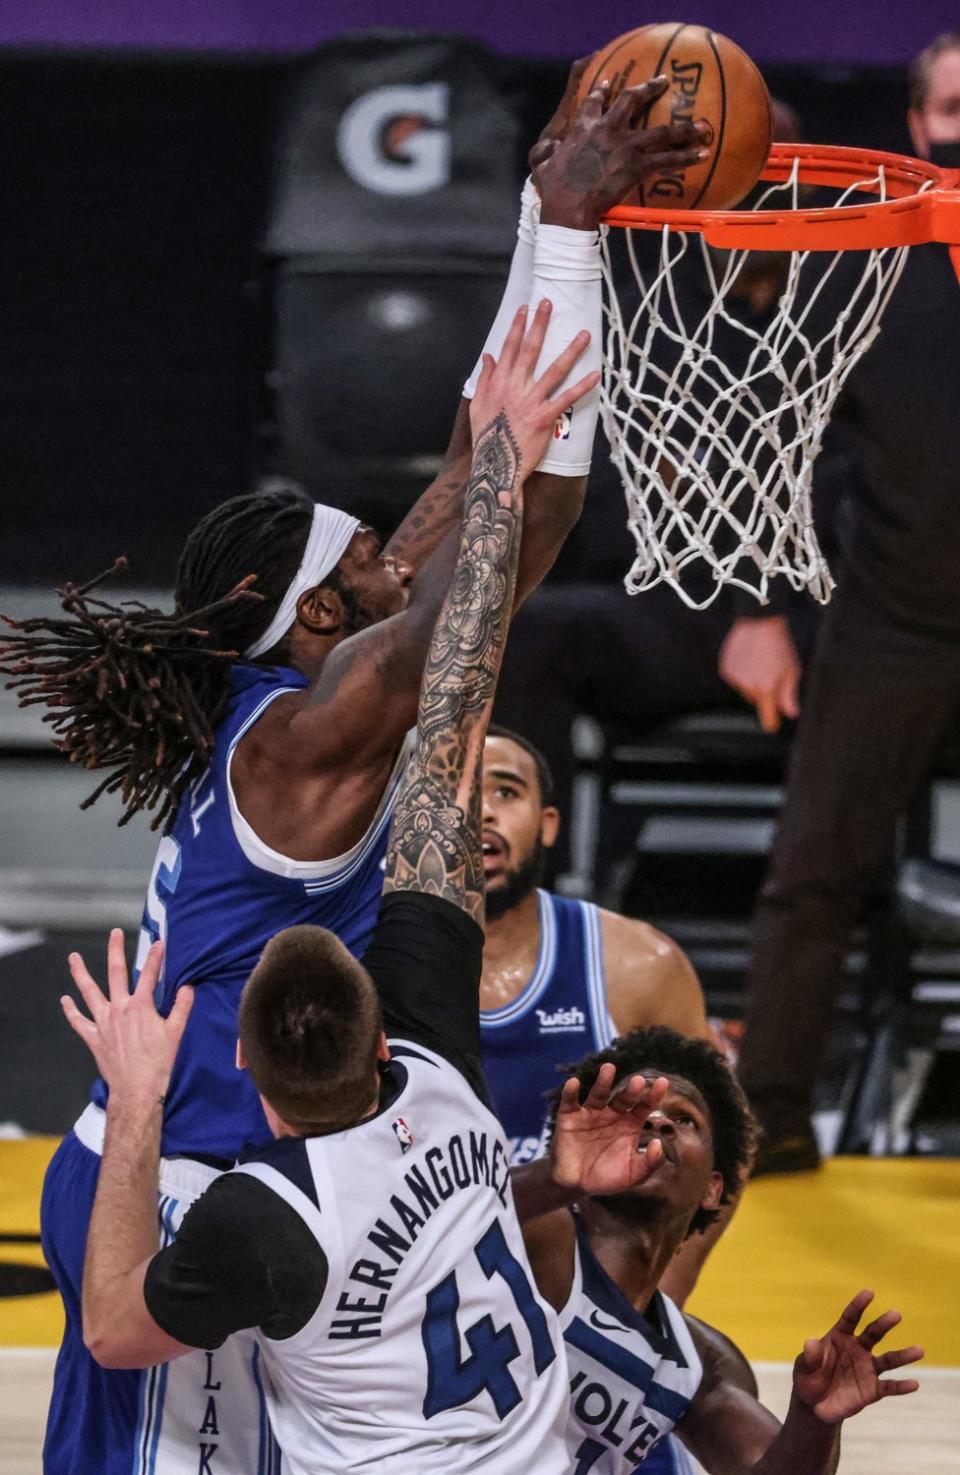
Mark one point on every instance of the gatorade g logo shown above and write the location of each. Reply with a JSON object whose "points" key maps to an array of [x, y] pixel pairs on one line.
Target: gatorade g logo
{"points": [[393, 141]]}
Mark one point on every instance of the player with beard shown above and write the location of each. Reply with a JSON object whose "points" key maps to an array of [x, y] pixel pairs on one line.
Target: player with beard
{"points": [[559, 976], [639, 1367]]}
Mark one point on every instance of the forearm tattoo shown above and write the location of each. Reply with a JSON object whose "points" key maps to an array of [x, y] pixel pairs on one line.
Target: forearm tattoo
{"points": [[435, 838]]}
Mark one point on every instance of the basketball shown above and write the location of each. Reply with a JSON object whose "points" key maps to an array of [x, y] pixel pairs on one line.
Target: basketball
{"points": [[712, 81]]}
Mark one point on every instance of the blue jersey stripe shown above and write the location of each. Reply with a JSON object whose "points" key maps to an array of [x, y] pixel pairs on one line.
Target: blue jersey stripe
{"points": [[539, 979], [628, 1366]]}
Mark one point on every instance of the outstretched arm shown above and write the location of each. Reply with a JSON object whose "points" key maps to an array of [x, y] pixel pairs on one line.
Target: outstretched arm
{"points": [[834, 1377], [134, 1048], [435, 842]]}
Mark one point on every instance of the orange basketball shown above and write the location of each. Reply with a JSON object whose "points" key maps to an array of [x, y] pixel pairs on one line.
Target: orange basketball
{"points": [[712, 81]]}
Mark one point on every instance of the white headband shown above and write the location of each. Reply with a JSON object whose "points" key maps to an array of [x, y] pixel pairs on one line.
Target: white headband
{"points": [[329, 535]]}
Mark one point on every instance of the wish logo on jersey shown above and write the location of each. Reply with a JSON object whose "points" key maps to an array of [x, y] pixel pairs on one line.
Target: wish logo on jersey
{"points": [[563, 1021]]}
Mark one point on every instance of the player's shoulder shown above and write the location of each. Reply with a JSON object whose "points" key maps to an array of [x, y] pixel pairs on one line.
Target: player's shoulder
{"points": [[723, 1362], [631, 941], [648, 977]]}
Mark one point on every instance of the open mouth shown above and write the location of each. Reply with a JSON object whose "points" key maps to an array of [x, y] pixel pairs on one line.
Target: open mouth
{"points": [[494, 853]]}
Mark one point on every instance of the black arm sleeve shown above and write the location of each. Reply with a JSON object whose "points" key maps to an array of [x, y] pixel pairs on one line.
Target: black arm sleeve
{"points": [[425, 958], [243, 1258]]}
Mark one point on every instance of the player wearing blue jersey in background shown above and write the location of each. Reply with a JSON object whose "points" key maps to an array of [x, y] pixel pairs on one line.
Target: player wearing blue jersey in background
{"points": [[263, 722], [639, 1367], [560, 977]]}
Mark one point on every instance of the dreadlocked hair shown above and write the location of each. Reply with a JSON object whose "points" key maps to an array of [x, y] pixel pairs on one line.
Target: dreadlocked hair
{"points": [[140, 692], [661, 1051]]}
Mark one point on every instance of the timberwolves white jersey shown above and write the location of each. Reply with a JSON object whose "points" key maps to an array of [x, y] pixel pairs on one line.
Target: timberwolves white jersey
{"points": [[431, 1349], [632, 1377]]}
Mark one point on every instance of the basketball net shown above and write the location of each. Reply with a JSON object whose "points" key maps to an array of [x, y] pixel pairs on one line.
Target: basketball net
{"points": [[715, 423]]}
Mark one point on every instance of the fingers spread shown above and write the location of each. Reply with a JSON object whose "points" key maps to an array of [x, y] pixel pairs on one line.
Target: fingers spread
{"points": [[895, 1387], [529, 351], [671, 162], [87, 988], [555, 373], [150, 972], [118, 980], [599, 1093], [633, 101], [576, 392], [850, 1316], [901, 1357], [570, 1095], [669, 136], [877, 1330], [182, 1005], [78, 1022], [591, 110], [514, 339], [812, 1355]]}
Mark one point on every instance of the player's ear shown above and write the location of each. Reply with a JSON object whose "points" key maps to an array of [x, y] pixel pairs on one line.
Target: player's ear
{"points": [[549, 826], [320, 610], [714, 1193], [383, 1049], [241, 1058]]}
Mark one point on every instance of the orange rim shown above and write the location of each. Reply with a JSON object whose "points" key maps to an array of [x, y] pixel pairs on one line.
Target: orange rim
{"points": [[906, 217]]}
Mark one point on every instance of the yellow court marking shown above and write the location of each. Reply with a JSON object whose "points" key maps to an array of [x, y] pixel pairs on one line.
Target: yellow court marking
{"points": [[800, 1246], [25, 1321]]}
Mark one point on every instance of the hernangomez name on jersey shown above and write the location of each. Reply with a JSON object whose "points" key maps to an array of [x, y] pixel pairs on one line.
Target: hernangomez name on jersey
{"points": [[430, 1328], [632, 1377]]}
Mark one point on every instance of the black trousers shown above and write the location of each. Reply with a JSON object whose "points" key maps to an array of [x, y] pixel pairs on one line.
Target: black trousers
{"points": [[628, 661], [875, 706]]}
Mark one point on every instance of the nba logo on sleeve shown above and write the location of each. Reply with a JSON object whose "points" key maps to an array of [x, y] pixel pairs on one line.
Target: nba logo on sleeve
{"points": [[403, 1134], [561, 430]]}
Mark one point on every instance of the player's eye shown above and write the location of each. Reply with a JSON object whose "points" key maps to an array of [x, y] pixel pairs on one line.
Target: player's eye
{"points": [[684, 1119], [505, 792]]}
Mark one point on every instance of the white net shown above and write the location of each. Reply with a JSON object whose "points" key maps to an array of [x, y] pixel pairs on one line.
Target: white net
{"points": [[721, 369]]}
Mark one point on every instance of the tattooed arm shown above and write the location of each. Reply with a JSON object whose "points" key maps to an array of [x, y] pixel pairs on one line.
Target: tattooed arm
{"points": [[435, 839]]}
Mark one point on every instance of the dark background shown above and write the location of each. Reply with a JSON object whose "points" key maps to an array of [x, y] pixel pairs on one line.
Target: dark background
{"points": [[135, 305]]}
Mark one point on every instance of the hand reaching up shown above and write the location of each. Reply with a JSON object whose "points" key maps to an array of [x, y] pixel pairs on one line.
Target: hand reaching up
{"points": [[510, 386], [837, 1376], [596, 1143]]}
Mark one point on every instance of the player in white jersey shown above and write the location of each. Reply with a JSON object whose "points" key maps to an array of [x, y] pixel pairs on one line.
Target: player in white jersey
{"points": [[640, 1368], [374, 1246]]}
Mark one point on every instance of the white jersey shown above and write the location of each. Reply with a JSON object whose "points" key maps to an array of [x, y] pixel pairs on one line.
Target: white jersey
{"points": [[632, 1376], [431, 1349]]}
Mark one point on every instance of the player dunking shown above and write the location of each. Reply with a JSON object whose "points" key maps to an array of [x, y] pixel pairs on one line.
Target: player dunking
{"points": [[638, 1367], [276, 771], [379, 1228]]}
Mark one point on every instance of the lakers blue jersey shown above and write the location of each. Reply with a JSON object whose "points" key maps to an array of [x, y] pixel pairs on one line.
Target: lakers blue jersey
{"points": [[217, 894], [560, 1015]]}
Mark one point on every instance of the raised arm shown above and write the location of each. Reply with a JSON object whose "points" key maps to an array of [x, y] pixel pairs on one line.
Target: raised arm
{"points": [[583, 162], [435, 844], [834, 1378]]}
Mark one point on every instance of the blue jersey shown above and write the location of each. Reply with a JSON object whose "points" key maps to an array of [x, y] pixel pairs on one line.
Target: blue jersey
{"points": [[560, 1015], [217, 895]]}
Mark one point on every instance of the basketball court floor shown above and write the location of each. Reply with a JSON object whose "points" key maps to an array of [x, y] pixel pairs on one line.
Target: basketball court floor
{"points": [[796, 1251]]}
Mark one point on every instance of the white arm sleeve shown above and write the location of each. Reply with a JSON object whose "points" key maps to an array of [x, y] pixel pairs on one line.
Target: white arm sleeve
{"points": [[516, 294], [566, 269]]}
